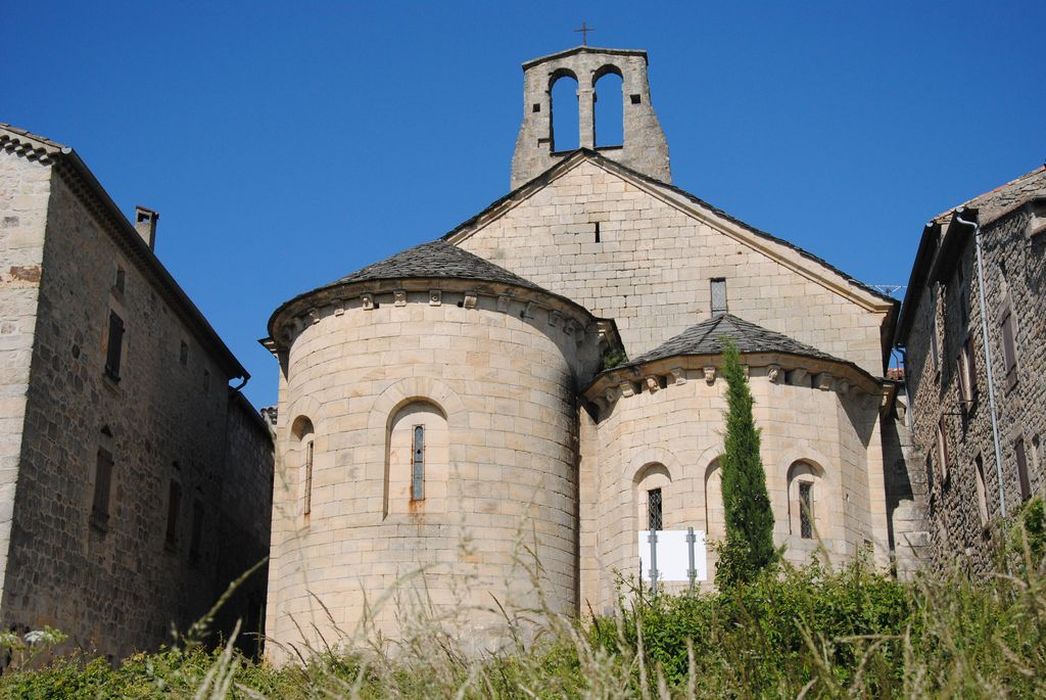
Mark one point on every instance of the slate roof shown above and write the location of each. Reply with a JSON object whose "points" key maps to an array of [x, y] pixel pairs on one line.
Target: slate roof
{"points": [[705, 338], [991, 205], [437, 259]]}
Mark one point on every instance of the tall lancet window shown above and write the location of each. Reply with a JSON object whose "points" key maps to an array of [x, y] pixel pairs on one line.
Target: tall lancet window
{"points": [[417, 461]]}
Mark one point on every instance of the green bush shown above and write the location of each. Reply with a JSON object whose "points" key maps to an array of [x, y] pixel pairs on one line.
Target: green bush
{"points": [[791, 631]]}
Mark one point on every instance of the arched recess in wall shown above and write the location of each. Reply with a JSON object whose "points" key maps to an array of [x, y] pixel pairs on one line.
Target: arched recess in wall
{"points": [[302, 455], [806, 500], [608, 107], [563, 105], [715, 513], [417, 458], [652, 486]]}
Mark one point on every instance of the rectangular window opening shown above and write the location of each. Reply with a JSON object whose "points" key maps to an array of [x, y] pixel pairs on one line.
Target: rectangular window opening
{"points": [[103, 476], [417, 464], [718, 290], [197, 531], [1009, 346], [635, 99], [982, 492], [1022, 469], [654, 509], [943, 456], [183, 354], [308, 478], [120, 281], [174, 504], [597, 231], [806, 510], [114, 348]]}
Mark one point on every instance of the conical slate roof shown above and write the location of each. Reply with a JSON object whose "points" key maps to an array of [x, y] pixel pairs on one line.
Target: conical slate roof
{"points": [[436, 259], [705, 338]]}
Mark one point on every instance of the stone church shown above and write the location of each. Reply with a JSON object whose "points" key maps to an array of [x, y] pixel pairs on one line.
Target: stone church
{"points": [[489, 418]]}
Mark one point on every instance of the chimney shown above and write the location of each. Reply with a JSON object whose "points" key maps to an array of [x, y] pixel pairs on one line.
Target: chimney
{"points": [[145, 222]]}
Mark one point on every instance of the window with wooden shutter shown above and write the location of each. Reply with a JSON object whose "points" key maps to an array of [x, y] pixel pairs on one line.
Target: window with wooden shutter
{"points": [[103, 475], [114, 347], [1022, 469]]}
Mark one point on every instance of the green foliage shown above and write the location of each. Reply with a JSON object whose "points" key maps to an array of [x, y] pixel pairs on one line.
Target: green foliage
{"points": [[789, 632], [613, 357], [749, 546]]}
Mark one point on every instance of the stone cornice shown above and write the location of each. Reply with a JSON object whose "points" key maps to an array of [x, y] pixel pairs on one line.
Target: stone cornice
{"points": [[289, 319], [844, 378]]}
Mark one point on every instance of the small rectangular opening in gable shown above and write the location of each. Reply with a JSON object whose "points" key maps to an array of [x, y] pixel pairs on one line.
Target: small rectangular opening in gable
{"points": [[635, 99], [596, 224], [536, 107]]}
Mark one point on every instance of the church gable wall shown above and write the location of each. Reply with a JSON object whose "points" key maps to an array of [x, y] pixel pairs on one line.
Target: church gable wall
{"points": [[652, 265]]}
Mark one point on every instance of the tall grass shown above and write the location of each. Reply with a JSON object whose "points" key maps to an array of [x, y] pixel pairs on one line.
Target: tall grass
{"points": [[794, 632]]}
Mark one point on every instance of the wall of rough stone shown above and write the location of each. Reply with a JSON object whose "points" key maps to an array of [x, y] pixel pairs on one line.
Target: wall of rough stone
{"points": [[681, 427], [120, 587], [652, 268], [25, 187], [245, 519], [506, 385], [952, 503]]}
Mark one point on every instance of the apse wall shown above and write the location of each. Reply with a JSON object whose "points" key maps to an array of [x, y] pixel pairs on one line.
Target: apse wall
{"points": [[664, 430], [491, 380]]}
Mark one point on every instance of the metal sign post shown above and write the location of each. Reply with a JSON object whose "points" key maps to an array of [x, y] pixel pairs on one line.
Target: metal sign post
{"points": [[653, 561], [691, 572]]}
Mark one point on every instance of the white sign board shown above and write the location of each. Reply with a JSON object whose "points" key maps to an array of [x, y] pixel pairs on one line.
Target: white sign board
{"points": [[673, 555]]}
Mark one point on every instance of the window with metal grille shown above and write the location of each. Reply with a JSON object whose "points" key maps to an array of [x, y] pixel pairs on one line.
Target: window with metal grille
{"points": [[417, 464], [655, 515], [718, 287], [308, 477], [806, 510], [114, 349]]}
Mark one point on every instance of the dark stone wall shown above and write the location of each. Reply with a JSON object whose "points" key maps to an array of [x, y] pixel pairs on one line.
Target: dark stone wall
{"points": [[1014, 267], [120, 587]]}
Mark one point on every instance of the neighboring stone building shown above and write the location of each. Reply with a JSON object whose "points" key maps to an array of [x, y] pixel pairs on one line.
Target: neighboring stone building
{"points": [[135, 484], [974, 332], [461, 424]]}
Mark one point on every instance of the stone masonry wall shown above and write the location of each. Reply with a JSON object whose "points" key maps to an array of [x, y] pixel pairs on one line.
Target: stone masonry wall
{"points": [[1013, 261], [25, 188], [120, 587], [245, 518], [652, 268]]}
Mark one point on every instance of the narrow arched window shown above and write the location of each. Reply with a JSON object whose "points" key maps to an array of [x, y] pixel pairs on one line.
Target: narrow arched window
{"points": [[416, 458], [417, 482], [566, 129], [609, 108], [804, 486], [715, 514], [305, 452], [653, 484]]}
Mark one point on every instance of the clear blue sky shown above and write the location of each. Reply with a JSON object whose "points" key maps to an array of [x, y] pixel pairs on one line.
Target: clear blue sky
{"points": [[287, 144]]}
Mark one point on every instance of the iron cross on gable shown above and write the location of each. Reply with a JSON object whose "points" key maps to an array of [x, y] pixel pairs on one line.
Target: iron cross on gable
{"points": [[584, 30]]}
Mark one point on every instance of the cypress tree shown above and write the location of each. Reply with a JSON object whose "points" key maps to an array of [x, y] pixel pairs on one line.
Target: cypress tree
{"points": [[749, 545]]}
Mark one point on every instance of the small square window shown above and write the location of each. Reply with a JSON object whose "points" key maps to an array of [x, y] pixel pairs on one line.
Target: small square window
{"points": [[635, 99]]}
